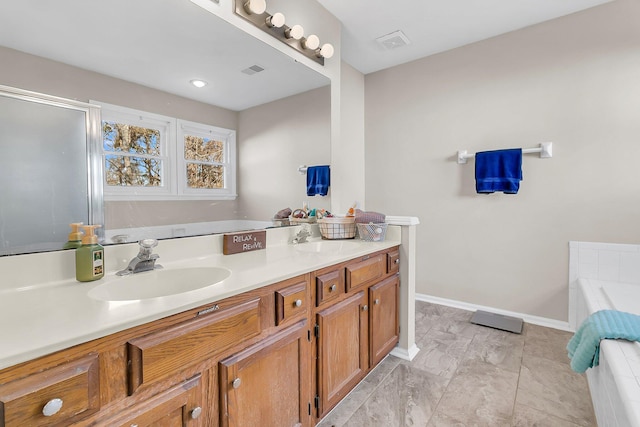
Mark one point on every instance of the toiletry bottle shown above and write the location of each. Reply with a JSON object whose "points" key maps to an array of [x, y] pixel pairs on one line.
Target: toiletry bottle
{"points": [[89, 256], [75, 237]]}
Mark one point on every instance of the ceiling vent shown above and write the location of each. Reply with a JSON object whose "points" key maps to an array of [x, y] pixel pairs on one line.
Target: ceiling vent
{"points": [[253, 70], [393, 40]]}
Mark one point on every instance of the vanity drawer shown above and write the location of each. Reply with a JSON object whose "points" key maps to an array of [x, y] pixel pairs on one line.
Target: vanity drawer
{"points": [[367, 269], [291, 303], [393, 261], [329, 286], [164, 352], [66, 393]]}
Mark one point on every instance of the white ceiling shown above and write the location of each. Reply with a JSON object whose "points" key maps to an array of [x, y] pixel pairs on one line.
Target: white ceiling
{"points": [[164, 44], [434, 26], [161, 44]]}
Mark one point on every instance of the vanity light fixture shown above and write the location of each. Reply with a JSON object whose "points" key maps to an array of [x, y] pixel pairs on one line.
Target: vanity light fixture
{"points": [[255, 7], [198, 83], [275, 21], [255, 11], [312, 42], [296, 32]]}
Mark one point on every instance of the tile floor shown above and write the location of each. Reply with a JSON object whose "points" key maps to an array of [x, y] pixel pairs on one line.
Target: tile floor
{"points": [[470, 375]]}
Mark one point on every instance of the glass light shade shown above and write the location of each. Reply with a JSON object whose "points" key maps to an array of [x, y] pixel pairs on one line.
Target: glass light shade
{"points": [[312, 42], [296, 32], [326, 51], [198, 83], [255, 6], [276, 20]]}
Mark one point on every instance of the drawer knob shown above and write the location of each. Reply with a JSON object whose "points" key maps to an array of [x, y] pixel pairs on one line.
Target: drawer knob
{"points": [[298, 303], [397, 261], [52, 407], [196, 412], [236, 383], [332, 288], [365, 307], [377, 301]]}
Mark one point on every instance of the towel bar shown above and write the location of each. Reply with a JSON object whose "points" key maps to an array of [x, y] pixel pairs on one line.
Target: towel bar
{"points": [[545, 149]]}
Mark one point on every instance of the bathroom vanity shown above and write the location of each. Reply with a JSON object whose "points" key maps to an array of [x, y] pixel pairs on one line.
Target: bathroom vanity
{"points": [[276, 354]]}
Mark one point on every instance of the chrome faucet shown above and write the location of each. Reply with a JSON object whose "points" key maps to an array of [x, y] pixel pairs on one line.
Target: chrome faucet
{"points": [[144, 261], [301, 236]]}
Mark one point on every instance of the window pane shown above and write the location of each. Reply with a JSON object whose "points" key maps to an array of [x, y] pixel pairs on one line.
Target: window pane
{"points": [[203, 149], [205, 176], [130, 139], [130, 171]]}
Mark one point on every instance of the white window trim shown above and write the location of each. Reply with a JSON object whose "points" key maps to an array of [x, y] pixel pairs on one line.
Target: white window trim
{"points": [[228, 137], [172, 153]]}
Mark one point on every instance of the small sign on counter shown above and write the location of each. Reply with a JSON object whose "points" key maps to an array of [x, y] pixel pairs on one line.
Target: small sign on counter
{"points": [[245, 241]]}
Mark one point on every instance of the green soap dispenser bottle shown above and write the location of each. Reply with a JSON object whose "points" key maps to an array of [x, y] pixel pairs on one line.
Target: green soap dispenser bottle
{"points": [[89, 256], [75, 237]]}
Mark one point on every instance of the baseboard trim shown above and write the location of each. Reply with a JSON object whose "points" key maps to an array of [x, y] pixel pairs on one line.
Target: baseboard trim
{"points": [[405, 354], [535, 320]]}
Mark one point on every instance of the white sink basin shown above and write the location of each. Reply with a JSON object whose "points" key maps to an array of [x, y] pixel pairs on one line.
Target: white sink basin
{"points": [[325, 246], [158, 283]]}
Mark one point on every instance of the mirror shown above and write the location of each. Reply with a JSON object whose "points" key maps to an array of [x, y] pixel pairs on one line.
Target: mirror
{"points": [[142, 55]]}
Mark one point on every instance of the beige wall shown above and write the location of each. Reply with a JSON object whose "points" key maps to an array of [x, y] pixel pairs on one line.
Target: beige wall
{"points": [[276, 139], [574, 81]]}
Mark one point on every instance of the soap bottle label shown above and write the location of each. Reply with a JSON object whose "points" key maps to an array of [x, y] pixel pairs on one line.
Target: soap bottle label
{"points": [[97, 263]]}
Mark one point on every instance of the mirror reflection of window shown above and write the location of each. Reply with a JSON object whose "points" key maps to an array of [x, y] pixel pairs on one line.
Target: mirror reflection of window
{"points": [[132, 155], [147, 156]]}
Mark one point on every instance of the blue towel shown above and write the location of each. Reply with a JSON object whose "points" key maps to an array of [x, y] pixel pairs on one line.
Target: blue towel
{"points": [[584, 346], [318, 180], [499, 170]]}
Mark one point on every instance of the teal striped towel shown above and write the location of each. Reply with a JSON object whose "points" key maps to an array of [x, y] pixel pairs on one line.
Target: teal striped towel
{"points": [[584, 346]]}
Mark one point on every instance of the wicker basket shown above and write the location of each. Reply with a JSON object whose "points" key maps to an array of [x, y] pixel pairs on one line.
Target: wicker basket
{"points": [[372, 232], [336, 228]]}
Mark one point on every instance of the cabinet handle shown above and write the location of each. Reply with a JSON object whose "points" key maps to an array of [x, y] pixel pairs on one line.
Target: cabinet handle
{"points": [[196, 412], [377, 301], [332, 288], [365, 307], [298, 303], [397, 261], [52, 407], [236, 383]]}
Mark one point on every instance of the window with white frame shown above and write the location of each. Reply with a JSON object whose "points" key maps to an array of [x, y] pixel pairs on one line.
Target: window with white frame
{"points": [[152, 157], [206, 159]]}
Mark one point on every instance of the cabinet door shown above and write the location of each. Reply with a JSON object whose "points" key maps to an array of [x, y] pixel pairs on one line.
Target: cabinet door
{"points": [[268, 384], [383, 318], [342, 350], [179, 406]]}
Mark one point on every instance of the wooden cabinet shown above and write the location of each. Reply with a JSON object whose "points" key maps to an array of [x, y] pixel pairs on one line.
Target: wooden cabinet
{"points": [[342, 350], [166, 351], [280, 355], [365, 270], [267, 384], [179, 406], [356, 327], [383, 318], [56, 396]]}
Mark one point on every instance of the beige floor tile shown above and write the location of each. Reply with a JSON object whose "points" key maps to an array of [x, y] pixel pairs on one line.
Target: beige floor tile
{"points": [[440, 353], [524, 416], [546, 342], [552, 387], [407, 397], [499, 348], [479, 394]]}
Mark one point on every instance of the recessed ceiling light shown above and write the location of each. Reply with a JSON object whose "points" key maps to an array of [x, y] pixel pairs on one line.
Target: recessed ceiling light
{"points": [[198, 83]]}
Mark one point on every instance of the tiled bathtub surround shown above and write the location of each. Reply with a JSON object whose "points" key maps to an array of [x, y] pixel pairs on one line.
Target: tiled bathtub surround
{"points": [[598, 272], [470, 375]]}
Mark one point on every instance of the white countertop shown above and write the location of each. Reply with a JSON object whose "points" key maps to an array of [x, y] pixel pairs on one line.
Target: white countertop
{"points": [[39, 316]]}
